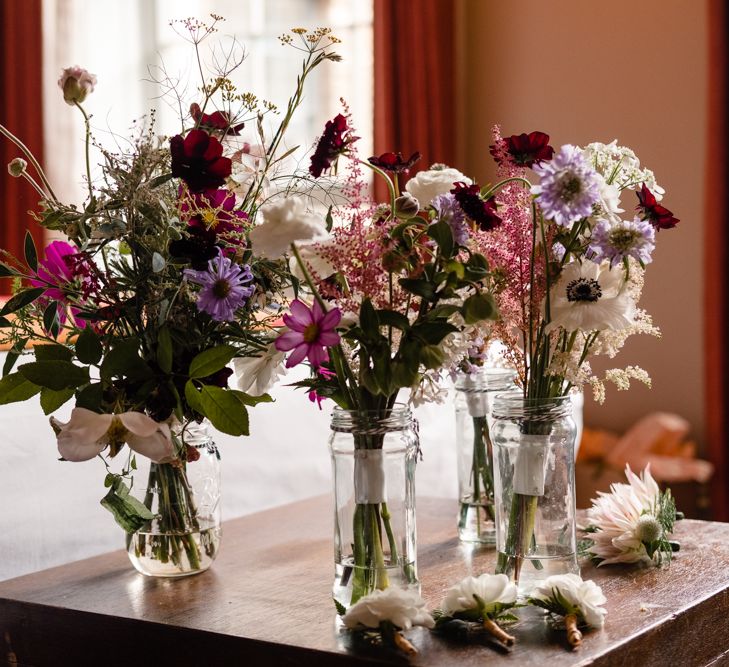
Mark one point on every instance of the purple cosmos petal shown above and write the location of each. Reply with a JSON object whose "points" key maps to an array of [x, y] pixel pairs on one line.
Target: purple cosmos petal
{"points": [[297, 356], [293, 323], [331, 319], [329, 338], [318, 355], [301, 314], [288, 341]]}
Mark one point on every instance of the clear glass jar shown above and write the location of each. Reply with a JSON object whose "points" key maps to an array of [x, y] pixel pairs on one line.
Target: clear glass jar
{"points": [[184, 536], [373, 468], [474, 398], [534, 488]]}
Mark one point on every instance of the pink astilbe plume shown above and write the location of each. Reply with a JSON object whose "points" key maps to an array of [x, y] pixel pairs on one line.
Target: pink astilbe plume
{"points": [[508, 250]]}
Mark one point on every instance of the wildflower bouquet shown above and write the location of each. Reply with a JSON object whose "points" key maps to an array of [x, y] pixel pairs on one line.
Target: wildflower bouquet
{"points": [[137, 314], [390, 290], [568, 269]]}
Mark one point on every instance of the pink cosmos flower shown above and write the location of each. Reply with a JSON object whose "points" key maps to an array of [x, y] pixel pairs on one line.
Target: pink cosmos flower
{"points": [[56, 271], [312, 331]]}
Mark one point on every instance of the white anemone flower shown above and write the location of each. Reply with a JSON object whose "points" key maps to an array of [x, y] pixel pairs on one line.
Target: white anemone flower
{"points": [[285, 222], [426, 185], [619, 519], [491, 589], [87, 433], [590, 297], [401, 607], [583, 597], [256, 375]]}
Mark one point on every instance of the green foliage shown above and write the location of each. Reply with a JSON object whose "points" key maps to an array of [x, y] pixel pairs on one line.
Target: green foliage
{"points": [[51, 399], [341, 609], [55, 374], [128, 512], [16, 387], [210, 361], [20, 300], [88, 347]]}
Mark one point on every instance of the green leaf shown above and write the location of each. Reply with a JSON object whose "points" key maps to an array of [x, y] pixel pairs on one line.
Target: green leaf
{"points": [[88, 347], [5, 322], [164, 350], [224, 410], [329, 220], [124, 361], [128, 512], [51, 399], [55, 374], [478, 307], [421, 288], [50, 319], [15, 388], [14, 354], [390, 318], [368, 320], [442, 234], [21, 299], [211, 361], [31, 254], [341, 609], [7, 271], [91, 397], [52, 353], [432, 333], [158, 180], [192, 396], [431, 356], [249, 400]]}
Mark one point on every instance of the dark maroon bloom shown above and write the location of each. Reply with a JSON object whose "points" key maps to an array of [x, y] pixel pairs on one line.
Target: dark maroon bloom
{"points": [[198, 160], [334, 142], [659, 216], [393, 162], [219, 378], [526, 149], [214, 210], [198, 247], [481, 211], [218, 120]]}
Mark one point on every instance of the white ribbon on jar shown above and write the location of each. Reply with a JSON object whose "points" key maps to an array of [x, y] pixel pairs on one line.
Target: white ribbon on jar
{"points": [[369, 476]]}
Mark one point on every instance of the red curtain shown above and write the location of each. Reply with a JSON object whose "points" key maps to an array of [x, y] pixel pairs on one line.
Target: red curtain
{"points": [[716, 256], [415, 87], [21, 112]]}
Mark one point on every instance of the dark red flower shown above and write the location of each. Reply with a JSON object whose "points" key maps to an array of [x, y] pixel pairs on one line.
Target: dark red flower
{"points": [[218, 120], [214, 210], [526, 149], [198, 160], [480, 211], [334, 142], [393, 162], [198, 247], [659, 216], [191, 453]]}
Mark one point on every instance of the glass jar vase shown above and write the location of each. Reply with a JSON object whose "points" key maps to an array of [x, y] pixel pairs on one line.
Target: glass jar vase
{"points": [[534, 488], [474, 398], [183, 538], [373, 469]]}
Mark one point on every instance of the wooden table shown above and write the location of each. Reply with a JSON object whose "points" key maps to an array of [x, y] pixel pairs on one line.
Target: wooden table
{"points": [[266, 601]]}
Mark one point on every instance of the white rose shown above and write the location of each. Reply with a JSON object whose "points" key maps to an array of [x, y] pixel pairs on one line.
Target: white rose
{"points": [[285, 222], [491, 588], [425, 186], [403, 608], [585, 596], [87, 433]]}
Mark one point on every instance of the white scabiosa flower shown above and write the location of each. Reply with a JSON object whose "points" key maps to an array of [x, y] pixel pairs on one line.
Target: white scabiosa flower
{"points": [[285, 222], [401, 607], [590, 297], [425, 186], [569, 595]]}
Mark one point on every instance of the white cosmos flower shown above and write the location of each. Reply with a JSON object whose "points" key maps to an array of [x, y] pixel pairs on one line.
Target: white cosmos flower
{"points": [[87, 433], [590, 297], [285, 222], [608, 205], [425, 186], [491, 588], [256, 375], [617, 517], [584, 597], [403, 608]]}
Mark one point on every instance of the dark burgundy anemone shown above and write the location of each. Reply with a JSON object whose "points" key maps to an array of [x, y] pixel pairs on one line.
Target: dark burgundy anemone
{"points": [[394, 162], [335, 140], [218, 120], [659, 216], [198, 160], [526, 149], [480, 211], [198, 247]]}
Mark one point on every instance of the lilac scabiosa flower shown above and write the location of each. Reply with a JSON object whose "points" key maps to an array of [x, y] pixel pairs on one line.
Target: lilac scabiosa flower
{"points": [[614, 242], [225, 286], [311, 332], [568, 186], [450, 212]]}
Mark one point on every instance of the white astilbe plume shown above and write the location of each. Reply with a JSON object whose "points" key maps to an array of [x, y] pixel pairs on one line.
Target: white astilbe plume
{"points": [[617, 518]]}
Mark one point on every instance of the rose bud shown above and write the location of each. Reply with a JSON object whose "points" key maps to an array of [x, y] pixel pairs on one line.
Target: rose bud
{"points": [[76, 83], [17, 167], [406, 206]]}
